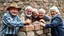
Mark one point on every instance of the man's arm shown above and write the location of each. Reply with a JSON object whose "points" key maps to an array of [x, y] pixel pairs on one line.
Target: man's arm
{"points": [[19, 22], [54, 23], [8, 21]]}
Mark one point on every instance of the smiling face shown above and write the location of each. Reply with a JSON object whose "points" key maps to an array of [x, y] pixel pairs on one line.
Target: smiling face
{"points": [[53, 13], [14, 11], [35, 14], [28, 12], [41, 14]]}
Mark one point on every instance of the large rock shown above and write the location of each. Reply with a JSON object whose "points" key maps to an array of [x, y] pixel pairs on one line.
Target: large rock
{"points": [[36, 26], [30, 33], [27, 28], [39, 32], [21, 34]]}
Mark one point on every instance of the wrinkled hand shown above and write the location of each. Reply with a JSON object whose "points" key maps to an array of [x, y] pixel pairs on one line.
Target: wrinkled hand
{"points": [[28, 21], [43, 24], [41, 20]]}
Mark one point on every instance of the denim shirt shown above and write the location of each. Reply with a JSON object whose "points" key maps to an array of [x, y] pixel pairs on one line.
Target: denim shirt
{"points": [[11, 24], [56, 25]]}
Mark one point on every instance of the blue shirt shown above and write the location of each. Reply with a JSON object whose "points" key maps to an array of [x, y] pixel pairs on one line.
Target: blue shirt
{"points": [[11, 24], [56, 25]]}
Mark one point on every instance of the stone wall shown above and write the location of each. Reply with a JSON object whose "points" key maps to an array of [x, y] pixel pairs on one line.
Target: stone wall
{"points": [[46, 4], [33, 30]]}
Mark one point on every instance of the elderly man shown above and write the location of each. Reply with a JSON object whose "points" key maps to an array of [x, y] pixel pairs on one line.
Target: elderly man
{"points": [[26, 16], [56, 25], [10, 21], [42, 15], [34, 15], [28, 12]]}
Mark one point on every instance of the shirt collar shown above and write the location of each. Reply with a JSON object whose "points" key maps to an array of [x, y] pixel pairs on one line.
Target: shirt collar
{"points": [[11, 14], [55, 15]]}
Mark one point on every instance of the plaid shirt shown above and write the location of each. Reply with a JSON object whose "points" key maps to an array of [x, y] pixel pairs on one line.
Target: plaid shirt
{"points": [[11, 25]]}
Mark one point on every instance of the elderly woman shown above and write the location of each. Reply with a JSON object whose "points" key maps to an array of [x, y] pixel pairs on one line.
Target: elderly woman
{"points": [[42, 15], [56, 25], [34, 15]]}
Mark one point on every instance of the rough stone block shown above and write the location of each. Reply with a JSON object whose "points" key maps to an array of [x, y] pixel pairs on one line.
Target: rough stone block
{"points": [[43, 35], [39, 32], [27, 28], [49, 34], [41, 27], [37, 27], [30, 33], [21, 34], [45, 30], [49, 30]]}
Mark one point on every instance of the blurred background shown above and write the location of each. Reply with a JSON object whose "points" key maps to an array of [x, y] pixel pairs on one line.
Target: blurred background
{"points": [[45, 4]]}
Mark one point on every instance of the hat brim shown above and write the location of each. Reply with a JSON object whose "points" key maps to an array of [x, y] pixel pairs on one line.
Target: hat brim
{"points": [[13, 7]]}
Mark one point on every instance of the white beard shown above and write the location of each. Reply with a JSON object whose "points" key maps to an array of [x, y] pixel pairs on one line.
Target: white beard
{"points": [[28, 15]]}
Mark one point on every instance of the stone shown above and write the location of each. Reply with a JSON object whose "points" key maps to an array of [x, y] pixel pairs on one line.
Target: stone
{"points": [[39, 32], [16, 0], [21, 34], [2, 8], [45, 0], [49, 30], [26, 3], [30, 33], [29, 0], [41, 27], [36, 22], [33, 4], [5, 4], [36, 26], [48, 34], [27, 28], [45, 30], [40, 0], [10, 1], [20, 4], [43, 35]]}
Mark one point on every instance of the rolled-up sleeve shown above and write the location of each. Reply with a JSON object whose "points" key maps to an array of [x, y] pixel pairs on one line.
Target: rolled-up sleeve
{"points": [[54, 23]]}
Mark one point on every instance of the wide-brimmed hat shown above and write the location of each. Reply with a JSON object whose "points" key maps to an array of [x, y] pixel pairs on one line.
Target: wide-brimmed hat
{"points": [[14, 5]]}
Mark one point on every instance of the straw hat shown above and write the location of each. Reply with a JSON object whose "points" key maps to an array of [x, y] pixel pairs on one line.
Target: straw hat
{"points": [[13, 5]]}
